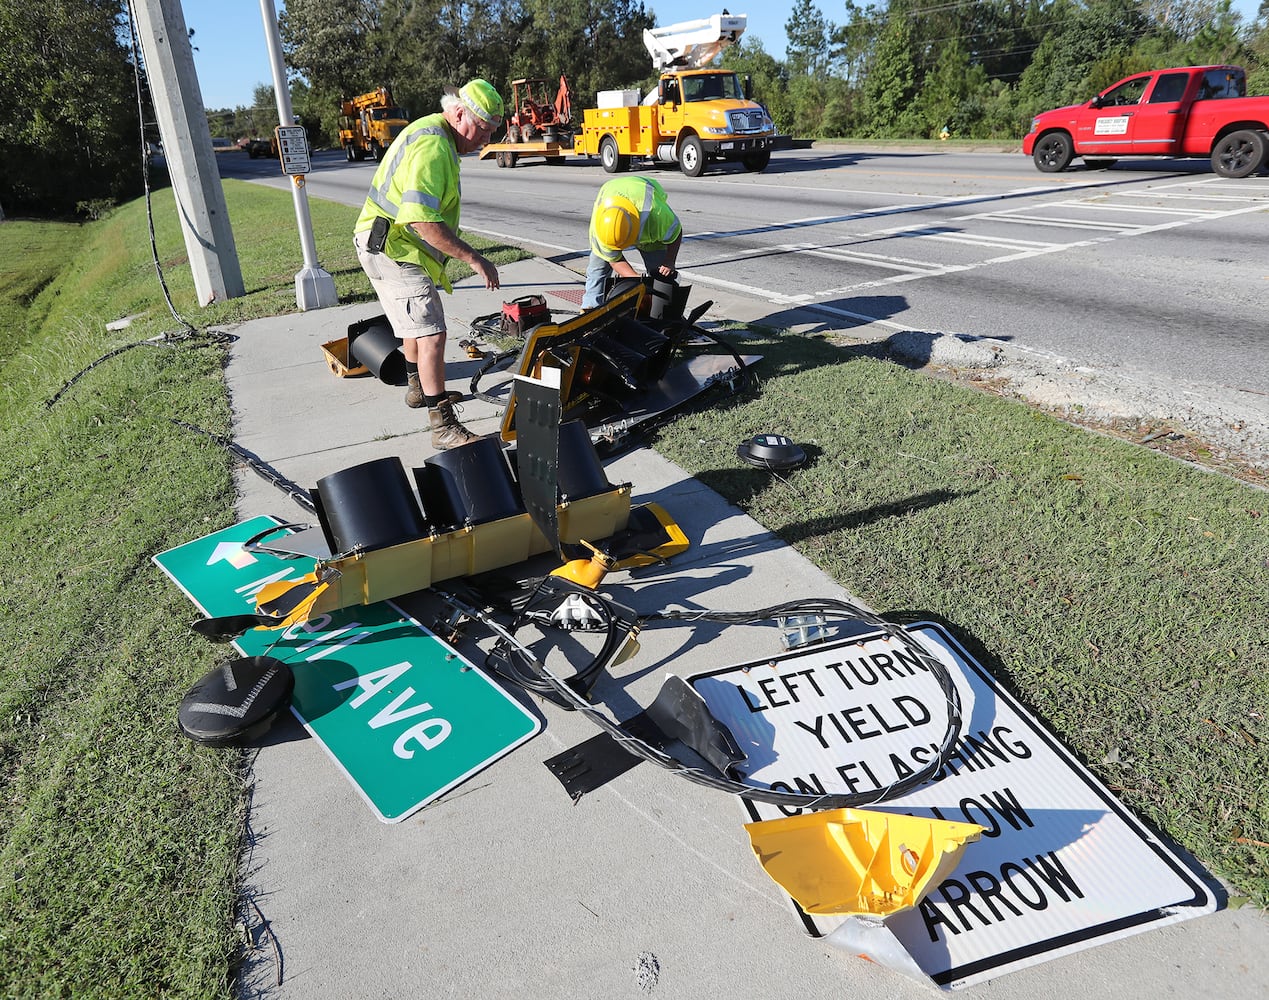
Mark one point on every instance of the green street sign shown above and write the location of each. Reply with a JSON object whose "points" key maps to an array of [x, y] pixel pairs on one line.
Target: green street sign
{"points": [[401, 712]]}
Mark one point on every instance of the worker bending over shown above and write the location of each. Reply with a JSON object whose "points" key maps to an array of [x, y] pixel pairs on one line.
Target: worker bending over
{"points": [[408, 229], [630, 212]]}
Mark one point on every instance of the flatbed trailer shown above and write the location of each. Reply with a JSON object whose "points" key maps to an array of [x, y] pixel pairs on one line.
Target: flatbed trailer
{"points": [[507, 153]]}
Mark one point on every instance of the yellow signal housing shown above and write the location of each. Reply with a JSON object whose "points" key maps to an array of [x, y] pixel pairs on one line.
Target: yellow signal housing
{"points": [[651, 536], [859, 861]]}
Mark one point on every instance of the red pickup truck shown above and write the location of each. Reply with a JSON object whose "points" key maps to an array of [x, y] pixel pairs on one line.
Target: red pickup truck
{"points": [[1191, 111]]}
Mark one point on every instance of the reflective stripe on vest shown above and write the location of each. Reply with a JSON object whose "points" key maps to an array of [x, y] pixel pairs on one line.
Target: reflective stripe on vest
{"points": [[380, 195], [648, 198]]}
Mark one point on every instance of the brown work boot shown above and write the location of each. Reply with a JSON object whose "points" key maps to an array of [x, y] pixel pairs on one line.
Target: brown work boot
{"points": [[413, 391], [414, 396], [447, 432]]}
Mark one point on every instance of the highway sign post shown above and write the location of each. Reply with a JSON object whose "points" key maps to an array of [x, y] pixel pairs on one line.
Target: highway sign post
{"points": [[400, 711]]}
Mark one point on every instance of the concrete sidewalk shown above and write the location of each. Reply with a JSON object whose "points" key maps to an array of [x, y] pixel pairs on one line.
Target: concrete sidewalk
{"points": [[504, 887]]}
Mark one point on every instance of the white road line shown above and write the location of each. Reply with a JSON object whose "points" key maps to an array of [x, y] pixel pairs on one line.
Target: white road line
{"points": [[1044, 220], [898, 279], [1214, 217], [913, 270], [991, 242], [954, 269], [1192, 196], [875, 259], [512, 237], [778, 298], [1088, 206]]}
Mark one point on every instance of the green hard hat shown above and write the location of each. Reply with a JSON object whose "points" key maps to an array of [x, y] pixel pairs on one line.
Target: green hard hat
{"points": [[482, 100]]}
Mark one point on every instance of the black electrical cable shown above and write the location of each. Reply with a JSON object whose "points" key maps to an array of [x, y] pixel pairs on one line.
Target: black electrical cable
{"points": [[257, 465], [145, 170], [513, 660], [564, 693], [491, 363], [191, 332]]}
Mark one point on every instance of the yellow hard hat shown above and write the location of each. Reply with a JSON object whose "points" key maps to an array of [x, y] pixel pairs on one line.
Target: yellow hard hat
{"points": [[617, 225]]}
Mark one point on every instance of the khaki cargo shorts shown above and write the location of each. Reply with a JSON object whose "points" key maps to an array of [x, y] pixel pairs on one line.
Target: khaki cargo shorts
{"points": [[407, 295]]}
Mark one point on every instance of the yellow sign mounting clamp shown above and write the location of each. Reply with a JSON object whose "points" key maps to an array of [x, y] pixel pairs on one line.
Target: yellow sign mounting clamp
{"points": [[859, 861]]}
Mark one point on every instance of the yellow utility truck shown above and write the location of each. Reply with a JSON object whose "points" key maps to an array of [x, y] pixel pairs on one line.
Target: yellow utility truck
{"points": [[694, 116], [368, 123]]}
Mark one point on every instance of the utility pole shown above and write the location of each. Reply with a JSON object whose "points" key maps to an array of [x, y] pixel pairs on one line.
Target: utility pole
{"points": [[314, 287], [187, 148]]}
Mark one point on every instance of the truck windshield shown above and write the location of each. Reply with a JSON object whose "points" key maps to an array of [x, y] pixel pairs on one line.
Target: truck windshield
{"points": [[381, 114], [712, 87]]}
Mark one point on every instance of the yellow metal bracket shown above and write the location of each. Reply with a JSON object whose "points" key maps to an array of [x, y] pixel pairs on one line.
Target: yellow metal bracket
{"points": [[859, 861]]}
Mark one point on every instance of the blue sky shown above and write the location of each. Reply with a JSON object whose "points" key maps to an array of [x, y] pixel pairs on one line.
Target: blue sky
{"points": [[232, 58]]}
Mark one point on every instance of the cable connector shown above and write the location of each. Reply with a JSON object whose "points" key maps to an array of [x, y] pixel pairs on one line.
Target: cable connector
{"points": [[574, 613]]}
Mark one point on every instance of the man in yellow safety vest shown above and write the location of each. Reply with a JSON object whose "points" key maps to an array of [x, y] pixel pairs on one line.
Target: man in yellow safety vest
{"points": [[630, 212], [407, 230]]}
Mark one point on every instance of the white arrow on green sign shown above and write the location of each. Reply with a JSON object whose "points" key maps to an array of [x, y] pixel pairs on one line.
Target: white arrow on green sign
{"points": [[401, 712]]}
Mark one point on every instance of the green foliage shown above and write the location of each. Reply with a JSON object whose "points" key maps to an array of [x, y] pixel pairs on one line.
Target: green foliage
{"points": [[891, 83], [854, 42], [808, 34], [418, 47], [597, 44], [1258, 61], [1061, 71], [769, 79], [69, 132], [950, 96], [897, 69], [335, 42]]}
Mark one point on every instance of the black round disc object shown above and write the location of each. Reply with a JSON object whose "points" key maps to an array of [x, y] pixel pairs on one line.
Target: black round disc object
{"points": [[771, 451], [236, 703]]}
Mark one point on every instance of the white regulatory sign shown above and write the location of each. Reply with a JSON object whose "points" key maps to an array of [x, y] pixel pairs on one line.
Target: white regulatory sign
{"points": [[1062, 865], [293, 149]]}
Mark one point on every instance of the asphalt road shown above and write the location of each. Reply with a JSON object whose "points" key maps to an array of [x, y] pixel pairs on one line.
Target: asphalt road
{"points": [[1153, 268]]}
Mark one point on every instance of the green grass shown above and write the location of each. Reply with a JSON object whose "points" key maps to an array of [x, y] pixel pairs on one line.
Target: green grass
{"points": [[1118, 593], [119, 839], [34, 254]]}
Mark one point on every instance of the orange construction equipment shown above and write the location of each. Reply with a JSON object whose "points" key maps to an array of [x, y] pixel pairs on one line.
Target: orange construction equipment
{"points": [[369, 123]]}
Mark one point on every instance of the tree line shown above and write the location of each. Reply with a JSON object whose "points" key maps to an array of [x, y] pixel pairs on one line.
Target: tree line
{"points": [[982, 70], [904, 69]]}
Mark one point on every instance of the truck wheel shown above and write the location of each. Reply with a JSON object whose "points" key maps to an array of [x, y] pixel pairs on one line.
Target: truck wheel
{"points": [[375, 150], [692, 157], [612, 160], [349, 155], [757, 162], [1053, 152], [1239, 153]]}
